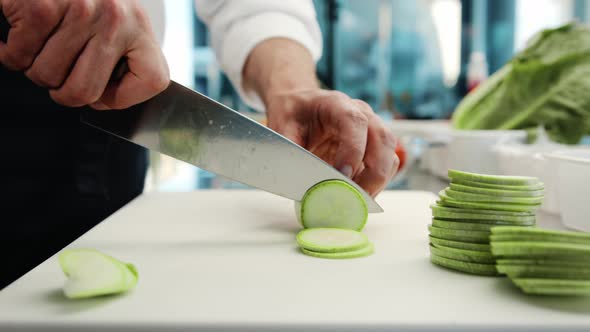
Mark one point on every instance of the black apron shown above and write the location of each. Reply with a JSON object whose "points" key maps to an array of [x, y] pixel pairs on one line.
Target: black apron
{"points": [[58, 177]]}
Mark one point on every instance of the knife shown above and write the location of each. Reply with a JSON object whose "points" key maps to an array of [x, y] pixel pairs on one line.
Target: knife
{"points": [[191, 127]]}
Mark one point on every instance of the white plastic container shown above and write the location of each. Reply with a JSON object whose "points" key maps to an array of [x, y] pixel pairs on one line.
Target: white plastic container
{"points": [[573, 171], [466, 150], [530, 160], [471, 150]]}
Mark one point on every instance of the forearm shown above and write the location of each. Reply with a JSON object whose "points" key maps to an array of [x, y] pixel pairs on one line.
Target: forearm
{"points": [[342, 131], [279, 65]]}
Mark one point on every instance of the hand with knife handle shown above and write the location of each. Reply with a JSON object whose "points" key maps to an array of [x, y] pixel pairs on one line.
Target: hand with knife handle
{"points": [[72, 47], [344, 132]]}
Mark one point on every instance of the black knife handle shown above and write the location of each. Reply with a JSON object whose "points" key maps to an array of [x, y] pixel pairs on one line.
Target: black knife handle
{"points": [[120, 70], [4, 27]]}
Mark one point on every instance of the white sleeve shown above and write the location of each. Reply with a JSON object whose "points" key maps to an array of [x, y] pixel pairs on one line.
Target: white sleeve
{"points": [[237, 26], [155, 11]]}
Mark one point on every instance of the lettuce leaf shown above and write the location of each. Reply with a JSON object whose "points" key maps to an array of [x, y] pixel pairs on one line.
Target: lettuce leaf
{"points": [[547, 84]]}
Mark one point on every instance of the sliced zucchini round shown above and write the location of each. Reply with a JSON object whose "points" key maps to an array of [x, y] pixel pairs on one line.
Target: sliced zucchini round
{"points": [[493, 179], [333, 204], [544, 271], [530, 187], [464, 225], [459, 244], [468, 267], [553, 286], [496, 192], [557, 262], [447, 201], [471, 197], [362, 252], [543, 234], [486, 216], [565, 251], [331, 240], [459, 235], [463, 255]]}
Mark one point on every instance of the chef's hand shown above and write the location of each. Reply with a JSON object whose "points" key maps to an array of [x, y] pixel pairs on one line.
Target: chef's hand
{"points": [[72, 47], [342, 131]]}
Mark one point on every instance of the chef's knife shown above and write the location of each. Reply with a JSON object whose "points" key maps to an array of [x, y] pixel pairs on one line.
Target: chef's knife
{"points": [[191, 127]]}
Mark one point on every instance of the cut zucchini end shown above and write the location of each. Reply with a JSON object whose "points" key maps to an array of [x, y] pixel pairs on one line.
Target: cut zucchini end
{"points": [[333, 204], [91, 273]]}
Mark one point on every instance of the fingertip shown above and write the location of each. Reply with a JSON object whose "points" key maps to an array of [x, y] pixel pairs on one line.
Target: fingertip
{"points": [[99, 106], [349, 156], [396, 163], [346, 170]]}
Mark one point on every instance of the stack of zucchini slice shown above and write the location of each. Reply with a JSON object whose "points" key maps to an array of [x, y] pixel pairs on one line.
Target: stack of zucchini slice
{"points": [[469, 208], [541, 261]]}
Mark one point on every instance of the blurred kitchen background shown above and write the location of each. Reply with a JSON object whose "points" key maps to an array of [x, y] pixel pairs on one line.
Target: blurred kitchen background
{"points": [[412, 61]]}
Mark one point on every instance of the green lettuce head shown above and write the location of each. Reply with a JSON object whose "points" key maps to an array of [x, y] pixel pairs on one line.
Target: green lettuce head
{"points": [[546, 84]]}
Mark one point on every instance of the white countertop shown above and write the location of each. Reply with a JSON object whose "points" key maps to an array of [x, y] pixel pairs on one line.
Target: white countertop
{"points": [[227, 261]]}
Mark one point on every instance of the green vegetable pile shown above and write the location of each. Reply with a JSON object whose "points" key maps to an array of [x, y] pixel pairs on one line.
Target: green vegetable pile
{"points": [[547, 84], [467, 211], [544, 261], [485, 225]]}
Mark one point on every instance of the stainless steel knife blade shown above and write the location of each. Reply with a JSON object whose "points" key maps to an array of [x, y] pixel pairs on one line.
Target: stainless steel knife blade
{"points": [[191, 127]]}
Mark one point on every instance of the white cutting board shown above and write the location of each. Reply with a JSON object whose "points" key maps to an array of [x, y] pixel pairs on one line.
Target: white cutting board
{"points": [[227, 261]]}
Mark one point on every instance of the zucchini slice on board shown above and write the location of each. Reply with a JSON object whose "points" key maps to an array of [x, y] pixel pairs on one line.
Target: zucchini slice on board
{"points": [[92, 273], [459, 244], [496, 192], [535, 238], [459, 235], [553, 286], [362, 252], [545, 271], [471, 197], [332, 204], [564, 251], [540, 234], [447, 201], [544, 262], [463, 254], [464, 225], [331, 240], [472, 268], [493, 179], [493, 213], [483, 216], [531, 187]]}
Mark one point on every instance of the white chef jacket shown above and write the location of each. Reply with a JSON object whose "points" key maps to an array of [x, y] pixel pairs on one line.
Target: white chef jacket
{"points": [[237, 26]]}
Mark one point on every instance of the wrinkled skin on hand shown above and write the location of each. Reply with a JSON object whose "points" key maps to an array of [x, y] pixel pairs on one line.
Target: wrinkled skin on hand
{"points": [[344, 132], [72, 47]]}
